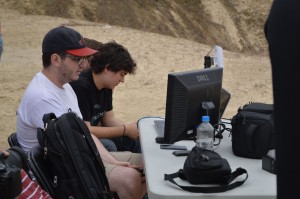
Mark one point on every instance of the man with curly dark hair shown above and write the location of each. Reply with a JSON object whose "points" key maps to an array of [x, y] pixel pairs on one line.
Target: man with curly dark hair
{"points": [[94, 91]]}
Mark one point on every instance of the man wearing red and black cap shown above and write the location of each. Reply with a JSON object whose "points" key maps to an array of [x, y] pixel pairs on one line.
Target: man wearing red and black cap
{"points": [[64, 56]]}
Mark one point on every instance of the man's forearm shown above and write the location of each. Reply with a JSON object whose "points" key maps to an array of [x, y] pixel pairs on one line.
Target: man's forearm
{"points": [[106, 132]]}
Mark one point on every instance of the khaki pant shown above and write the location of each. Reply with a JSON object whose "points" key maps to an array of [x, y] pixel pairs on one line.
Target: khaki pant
{"points": [[132, 158]]}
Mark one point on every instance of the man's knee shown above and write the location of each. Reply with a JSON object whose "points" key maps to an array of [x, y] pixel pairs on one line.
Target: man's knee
{"points": [[125, 180]]}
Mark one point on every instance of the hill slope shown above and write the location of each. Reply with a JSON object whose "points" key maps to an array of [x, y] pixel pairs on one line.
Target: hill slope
{"points": [[234, 25]]}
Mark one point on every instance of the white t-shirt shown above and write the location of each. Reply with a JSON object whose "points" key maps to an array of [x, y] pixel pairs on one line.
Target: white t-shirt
{"points": [[41, 97]]}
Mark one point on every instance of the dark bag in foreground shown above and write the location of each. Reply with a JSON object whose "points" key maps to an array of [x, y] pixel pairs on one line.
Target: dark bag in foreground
{"points": [[76, 167], [207, 167], [10, 172], [253, 133]]}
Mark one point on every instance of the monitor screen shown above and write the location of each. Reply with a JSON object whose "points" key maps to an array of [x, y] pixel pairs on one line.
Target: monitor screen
{"points": [[186, 92]]}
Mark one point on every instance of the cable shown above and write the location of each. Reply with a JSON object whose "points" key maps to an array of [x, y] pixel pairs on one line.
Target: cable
{"points": [[220, 128]]}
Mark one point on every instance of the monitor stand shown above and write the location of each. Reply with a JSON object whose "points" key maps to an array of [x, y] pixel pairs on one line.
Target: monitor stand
{"points": [[160, 140]]}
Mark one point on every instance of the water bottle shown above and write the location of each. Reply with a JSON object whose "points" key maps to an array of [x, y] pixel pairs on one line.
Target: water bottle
{"points": [[205, 134]]}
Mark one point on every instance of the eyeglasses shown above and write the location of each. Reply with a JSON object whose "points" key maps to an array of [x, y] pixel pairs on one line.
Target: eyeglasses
{"points": [[79, 59]]}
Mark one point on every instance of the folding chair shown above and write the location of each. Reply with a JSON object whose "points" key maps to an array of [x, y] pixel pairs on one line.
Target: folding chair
{"points": [[40, 168], [13, 140]]}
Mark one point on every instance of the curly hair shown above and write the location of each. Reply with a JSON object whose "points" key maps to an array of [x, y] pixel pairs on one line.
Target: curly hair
{"points": [[113, 56]]}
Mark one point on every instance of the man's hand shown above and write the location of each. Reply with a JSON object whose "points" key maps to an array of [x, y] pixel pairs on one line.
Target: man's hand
{"points": [[6, 154], [132, 131]]}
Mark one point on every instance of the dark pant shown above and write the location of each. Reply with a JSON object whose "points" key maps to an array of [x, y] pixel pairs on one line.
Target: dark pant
{"points": [[121, 144], [109, 145], [127, 144]]}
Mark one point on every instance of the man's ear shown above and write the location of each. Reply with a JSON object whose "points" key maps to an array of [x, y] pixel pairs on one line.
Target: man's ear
{"points": [[106, 68], [56, 59]]}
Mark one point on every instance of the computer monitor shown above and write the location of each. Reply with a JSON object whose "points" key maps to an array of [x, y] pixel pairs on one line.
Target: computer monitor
{"points": [[186, 93]]}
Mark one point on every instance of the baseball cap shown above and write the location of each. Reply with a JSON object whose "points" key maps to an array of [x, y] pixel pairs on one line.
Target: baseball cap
{"points": [[64, 39]]}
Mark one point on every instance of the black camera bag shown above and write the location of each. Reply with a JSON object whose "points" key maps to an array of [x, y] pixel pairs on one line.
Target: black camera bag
{"points": [[77, 169], [253, 133], [207, 167]]}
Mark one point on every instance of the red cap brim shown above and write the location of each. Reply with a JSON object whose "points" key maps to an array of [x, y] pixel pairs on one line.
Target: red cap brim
{"points": [[82, 52]]}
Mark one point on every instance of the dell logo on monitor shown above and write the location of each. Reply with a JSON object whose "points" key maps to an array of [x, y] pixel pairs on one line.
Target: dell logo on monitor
{"points": [[202, 78]]}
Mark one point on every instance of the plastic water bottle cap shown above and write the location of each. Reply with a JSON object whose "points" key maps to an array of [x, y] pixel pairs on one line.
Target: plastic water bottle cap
{"points": [[205, 118]]}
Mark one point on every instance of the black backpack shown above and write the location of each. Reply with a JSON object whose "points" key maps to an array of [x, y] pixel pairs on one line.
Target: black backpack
{"points": [[77, 170]]}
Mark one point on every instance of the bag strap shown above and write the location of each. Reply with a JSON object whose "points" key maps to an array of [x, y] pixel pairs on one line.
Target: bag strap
{"points": [[40, 131], [213, 189], [249, 134]]}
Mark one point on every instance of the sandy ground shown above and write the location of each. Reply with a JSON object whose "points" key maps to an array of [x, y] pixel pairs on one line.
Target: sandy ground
{"points": [[247, 77]]}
